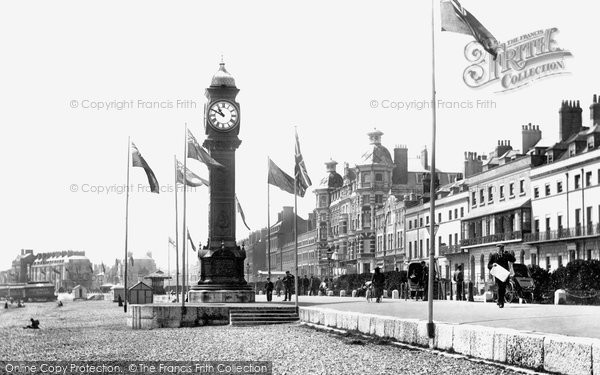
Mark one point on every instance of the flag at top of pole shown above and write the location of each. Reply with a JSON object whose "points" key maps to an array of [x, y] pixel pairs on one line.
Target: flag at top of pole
{"points": [[191, 179], [195, 151], [302, 179], [279, 178], [138, 161], [456, 18]]}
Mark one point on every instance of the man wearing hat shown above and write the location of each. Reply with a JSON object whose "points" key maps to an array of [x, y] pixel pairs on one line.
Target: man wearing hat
{"points": [[501, 258]]}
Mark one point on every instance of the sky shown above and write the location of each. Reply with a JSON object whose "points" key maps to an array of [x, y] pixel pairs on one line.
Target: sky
{"points": [[317, 66]]}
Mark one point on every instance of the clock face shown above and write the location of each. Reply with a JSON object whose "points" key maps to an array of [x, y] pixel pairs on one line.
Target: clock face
{"points": [[223, 115]]}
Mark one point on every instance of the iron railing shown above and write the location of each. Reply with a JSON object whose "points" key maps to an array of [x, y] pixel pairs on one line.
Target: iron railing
{"points": [[564, 233], [498, 237]]}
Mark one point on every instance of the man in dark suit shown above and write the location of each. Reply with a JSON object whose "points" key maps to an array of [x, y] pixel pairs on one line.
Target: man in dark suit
{"points": [[501, 258], [288, 284]]}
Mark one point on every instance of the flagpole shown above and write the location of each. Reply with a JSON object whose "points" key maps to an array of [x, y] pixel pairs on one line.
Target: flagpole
{"points": [[268, 223], [296, 231], [176, 238], [169, 259], [184, 225], [430, 325], [126, 223]]}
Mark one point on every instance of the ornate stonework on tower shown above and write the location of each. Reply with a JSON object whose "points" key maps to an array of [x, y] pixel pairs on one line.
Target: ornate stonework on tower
{"points": [[222, 261]]}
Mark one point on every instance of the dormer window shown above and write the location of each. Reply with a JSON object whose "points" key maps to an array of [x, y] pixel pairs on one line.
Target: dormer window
{"points": [[572, 149], [590, 142]]}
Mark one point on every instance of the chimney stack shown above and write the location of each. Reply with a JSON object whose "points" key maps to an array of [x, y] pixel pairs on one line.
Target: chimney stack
{"points": [[424, 160], [502, 148], [530, 136], [400, 171], [473, 164], [595, 112], [570, 120]]}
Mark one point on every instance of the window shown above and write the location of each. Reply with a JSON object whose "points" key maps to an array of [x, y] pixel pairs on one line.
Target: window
{"points": [[588, 178], [560, 261], [547, 263], [456, 213], [534, 259], [536, 225], [577, 180], [379, 198], [547, 224], [547, 189], [474, 198], [421, 222], [427, 248], [410, 250], [559, 223], [378, 177], [462, 211], [501, 191], [572, 149], [420, 248], [481, 196], [427, 220], [449, 240], [559, 187], [511, 189], [439, 217], [456, 238], [490, 194], [536, 192], [410, 224], [449, 214], [522, 187]]}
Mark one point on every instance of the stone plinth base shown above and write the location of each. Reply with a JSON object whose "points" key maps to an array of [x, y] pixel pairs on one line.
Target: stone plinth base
{"points": [[221, 296]]}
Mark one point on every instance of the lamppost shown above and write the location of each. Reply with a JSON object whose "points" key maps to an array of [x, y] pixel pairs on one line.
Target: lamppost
{"points": [[329, 256]]}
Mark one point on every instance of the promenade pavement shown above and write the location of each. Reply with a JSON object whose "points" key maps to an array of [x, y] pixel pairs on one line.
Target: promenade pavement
{"points": [[568, 320]]}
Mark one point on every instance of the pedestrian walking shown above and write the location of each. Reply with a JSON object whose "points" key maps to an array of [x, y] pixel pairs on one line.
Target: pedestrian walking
{"points": [[425, 280], [458, 277], [278, 286], [305, 284], [501, 258], [378, 280], [288, 285], [269, 289], [312, 286]]}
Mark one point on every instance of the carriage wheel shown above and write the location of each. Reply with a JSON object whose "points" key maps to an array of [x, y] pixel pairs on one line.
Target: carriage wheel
{"points": [[509, 295]]}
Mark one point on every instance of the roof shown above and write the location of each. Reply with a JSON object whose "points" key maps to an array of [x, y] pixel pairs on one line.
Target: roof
{"points": [[140, 285], [158, 274]]}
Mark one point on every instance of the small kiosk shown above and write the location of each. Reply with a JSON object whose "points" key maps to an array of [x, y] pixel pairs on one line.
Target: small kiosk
{"points": [[79, 292], [157, 281], [117, 290], [140, 294]]}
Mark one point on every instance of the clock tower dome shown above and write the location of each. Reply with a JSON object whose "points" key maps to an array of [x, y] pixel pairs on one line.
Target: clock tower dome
{"points": [[221, 260]]}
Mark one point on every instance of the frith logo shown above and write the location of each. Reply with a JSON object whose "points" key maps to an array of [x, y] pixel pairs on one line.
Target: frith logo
{"points": [[520, 61]]}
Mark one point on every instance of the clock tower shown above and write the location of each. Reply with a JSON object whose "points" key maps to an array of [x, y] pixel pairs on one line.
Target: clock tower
{"points": [[221, 260]]}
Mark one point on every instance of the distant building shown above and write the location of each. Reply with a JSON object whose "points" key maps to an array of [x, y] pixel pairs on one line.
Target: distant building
{"points": [[64, 269], [137, 269], [348, 211]]}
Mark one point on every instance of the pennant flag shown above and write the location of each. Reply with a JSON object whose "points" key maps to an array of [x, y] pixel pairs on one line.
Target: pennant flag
{"points": [[239, 208], [190, 239], [191, 179], [302, 179], [279, 178], [171, 241], [56, 271], [138, 161], [195, 151], [457, 19]]}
